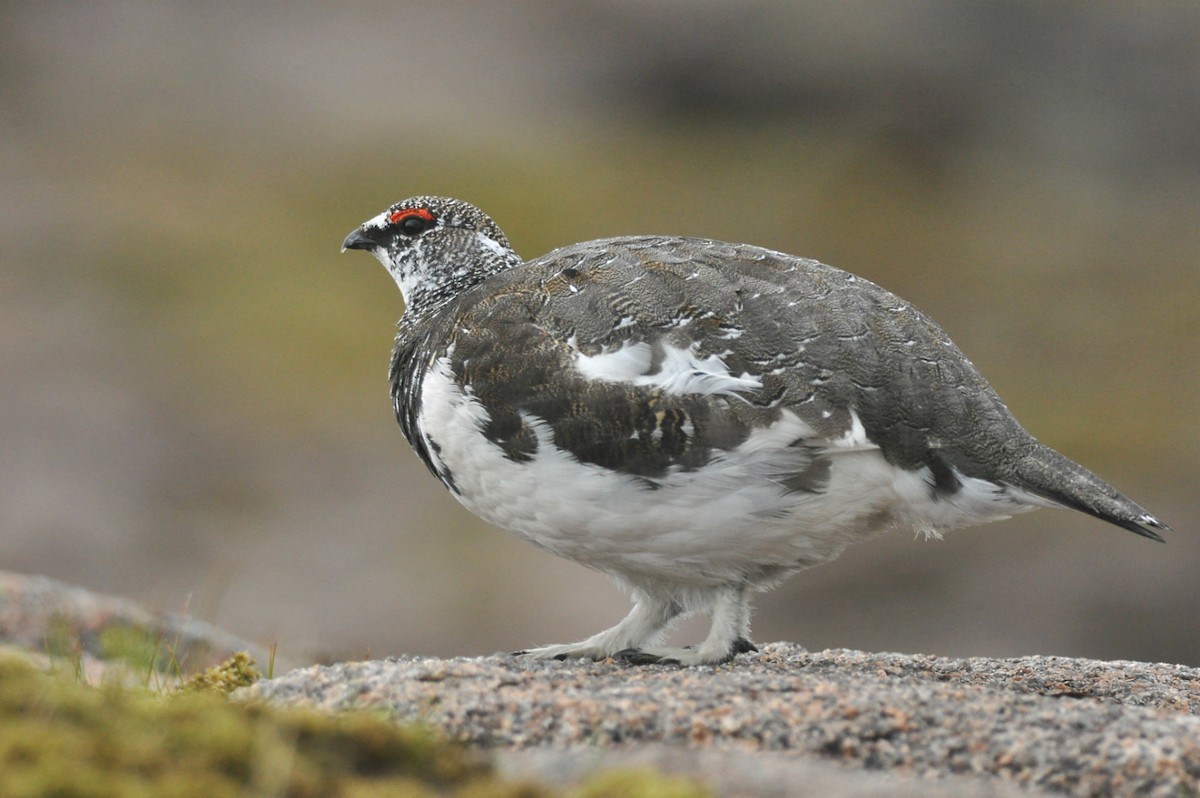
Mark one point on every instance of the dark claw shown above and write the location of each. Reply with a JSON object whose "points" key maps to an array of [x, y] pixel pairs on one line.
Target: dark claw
{"points": [[635, 656], [743, 646]]}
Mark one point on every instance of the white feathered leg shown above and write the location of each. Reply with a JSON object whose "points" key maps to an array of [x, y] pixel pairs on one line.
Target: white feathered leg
{"points": [[644, 623], [728, 636]]}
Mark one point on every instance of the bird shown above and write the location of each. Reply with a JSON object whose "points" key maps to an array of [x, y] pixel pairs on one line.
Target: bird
{"points": [[697, 419]]}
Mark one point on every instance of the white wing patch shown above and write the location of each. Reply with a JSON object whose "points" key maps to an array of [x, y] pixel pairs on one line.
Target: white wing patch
{"points": [[679, 372], [854, 440], [624, 364]]}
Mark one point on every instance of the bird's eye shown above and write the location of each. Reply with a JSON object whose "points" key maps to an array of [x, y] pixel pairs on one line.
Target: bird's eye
{"points": [[412, 222], [413, 225]]}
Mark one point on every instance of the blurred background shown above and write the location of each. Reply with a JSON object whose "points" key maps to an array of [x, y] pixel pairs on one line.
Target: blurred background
{"points": [[194, 405]]}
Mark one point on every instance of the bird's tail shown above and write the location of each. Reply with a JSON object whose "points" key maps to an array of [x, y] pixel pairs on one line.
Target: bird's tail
{"points": [[1061, 481]]}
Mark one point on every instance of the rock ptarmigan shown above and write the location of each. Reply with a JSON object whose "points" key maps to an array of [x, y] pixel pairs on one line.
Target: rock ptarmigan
{"points": [[695, 418]]}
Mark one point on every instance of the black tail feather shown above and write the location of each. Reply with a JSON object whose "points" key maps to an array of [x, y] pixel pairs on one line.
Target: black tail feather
{"points": [[1138, 526], [1064, 482]]}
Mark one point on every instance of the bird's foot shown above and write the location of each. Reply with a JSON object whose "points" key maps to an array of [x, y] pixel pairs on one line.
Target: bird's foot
{"points": [[638, 656], [687, 656]]}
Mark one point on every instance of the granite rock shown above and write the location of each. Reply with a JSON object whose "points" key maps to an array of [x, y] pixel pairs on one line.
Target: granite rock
{"points": [[838, 717]]}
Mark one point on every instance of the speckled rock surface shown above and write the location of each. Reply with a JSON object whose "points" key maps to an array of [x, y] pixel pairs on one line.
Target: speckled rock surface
{"points": [[1060, 725]]}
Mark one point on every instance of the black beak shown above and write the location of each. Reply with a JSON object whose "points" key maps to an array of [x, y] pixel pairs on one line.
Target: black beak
{"points": [[359, 240]]}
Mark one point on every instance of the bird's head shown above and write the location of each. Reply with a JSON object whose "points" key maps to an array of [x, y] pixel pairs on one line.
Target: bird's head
{"points": [[434, 248]]}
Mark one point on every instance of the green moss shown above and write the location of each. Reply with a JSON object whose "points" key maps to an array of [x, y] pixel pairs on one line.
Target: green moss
{"points": [[237, 671], [58, 737]]}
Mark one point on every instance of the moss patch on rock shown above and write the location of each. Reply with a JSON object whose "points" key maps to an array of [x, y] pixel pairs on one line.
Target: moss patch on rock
{"points": [[59, 737], [237, 671]]}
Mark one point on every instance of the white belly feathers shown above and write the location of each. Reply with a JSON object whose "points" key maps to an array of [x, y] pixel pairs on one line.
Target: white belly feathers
{"points": [[730, 520]]}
